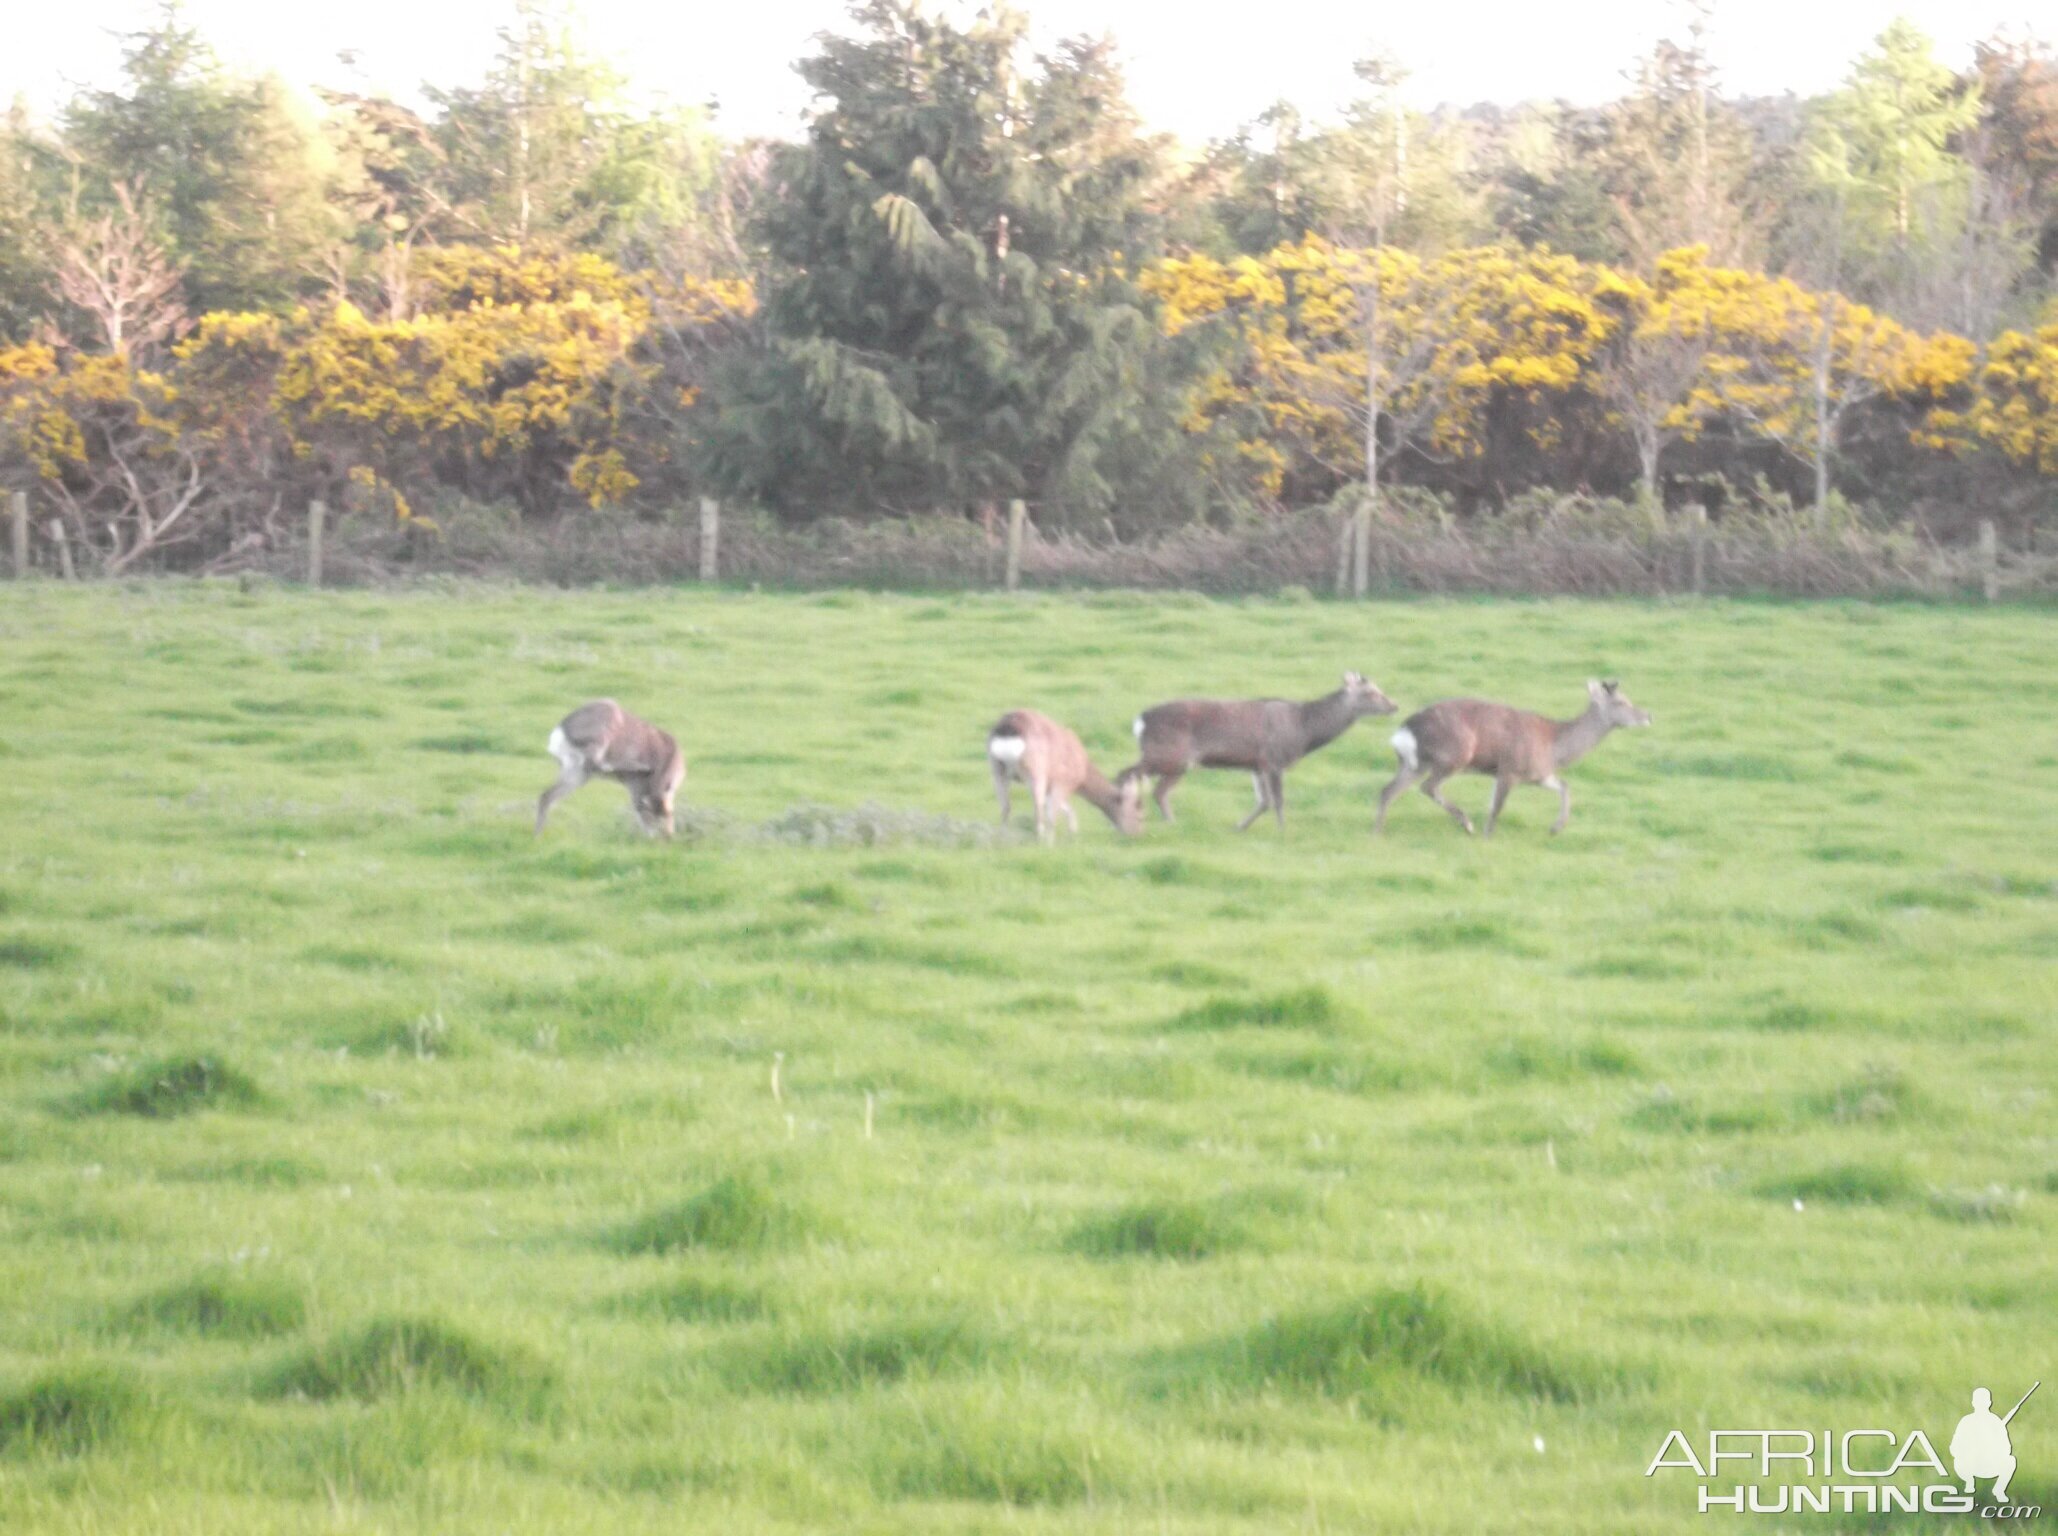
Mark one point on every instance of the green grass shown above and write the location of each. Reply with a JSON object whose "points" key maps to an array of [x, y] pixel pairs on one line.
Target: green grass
{"points": [[367, 1165]]}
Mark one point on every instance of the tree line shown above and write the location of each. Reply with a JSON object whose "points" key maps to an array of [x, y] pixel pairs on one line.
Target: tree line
{"points": [[978, 276]]}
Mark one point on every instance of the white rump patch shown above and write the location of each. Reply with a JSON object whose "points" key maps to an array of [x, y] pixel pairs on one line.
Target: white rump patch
{"points": [[1006, 749], [1138, 727], [563, 750], [1404, 744]]}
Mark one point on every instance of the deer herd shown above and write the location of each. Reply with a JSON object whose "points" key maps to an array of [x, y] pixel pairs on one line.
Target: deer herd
{"points": [[1263, 737]]}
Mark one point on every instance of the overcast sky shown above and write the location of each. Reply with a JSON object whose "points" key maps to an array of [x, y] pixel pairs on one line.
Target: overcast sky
{"points": [[1195, 69]]}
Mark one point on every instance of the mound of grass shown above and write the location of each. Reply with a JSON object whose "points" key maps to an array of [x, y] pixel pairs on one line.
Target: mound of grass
{"points": [[1993, 1203], [1349, 1348], [224, 1306], [1160, 1229], [1545, 1059], [177, 1085], [71, 1410], [735, 1214], [844, 1361], [1876, 1097], [1304, 1008], [1846, 1184], [692, 1299], [980, 1457], [26, 954], [392, 1356]]}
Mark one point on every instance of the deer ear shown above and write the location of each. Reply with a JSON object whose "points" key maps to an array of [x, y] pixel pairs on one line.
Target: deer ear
{"points": [[1594, 690], [1354, 679], [1612, 685]]}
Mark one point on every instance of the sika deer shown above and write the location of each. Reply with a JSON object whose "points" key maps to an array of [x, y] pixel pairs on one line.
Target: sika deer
{"points": [[1051, 760], [1264, 736], [1515, 746], [603, 740]]}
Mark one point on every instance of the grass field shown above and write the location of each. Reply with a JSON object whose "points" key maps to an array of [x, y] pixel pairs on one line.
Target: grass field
{"points": [[366, 1166]]}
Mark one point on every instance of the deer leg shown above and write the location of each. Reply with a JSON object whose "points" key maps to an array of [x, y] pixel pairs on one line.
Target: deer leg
{"points": [[1402, 781], [1000, 790], [1278, 778], [1071, 815], [1432, 784], [1045, 832], [1501, 786], [1264, 802], [1564, 802], [1161, 792], [567, 781]]}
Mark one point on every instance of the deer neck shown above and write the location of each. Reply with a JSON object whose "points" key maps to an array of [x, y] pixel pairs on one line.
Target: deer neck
{"points": [[1096, 791], [1325, 719], [1573, 739]]}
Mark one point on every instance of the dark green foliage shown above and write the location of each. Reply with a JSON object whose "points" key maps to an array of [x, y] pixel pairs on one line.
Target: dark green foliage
{"points": [[70, 1410], [950, 317], [392, 1356], [177, 1085]]}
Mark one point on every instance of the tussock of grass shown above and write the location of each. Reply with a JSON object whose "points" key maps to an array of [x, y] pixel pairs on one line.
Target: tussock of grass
{"points": [[177, 1085], [1160, 1229], [974, 1455], [1846, 1184], [692, 1299], [1748, 767], [820, 1362], [71, 1410], [1352, 1347], [735, 1214], [1546, 1059], [393, 1356], [224, 1306], [1336, 1068], [1878, 1096], [26, 954], [1993, 1203], [1304, 1008], [1467, 933], [1666, 1111]]}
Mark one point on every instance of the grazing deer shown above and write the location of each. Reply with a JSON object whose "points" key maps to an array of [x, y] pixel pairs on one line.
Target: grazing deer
{"points": [[1263, 736], [1515, 746], [603, 740], [1042, 754]]}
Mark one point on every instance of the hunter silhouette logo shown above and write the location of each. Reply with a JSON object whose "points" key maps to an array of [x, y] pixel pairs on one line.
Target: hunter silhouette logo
{"points": [[1860, 1471], [1981, 1447]]}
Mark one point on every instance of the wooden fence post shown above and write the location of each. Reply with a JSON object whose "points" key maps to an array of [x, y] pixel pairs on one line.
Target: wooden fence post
{"points": [[1700, 550], [1018, 514], [710, 538], [1989, 560], [317, 520], [18, 520], [63, 549]]}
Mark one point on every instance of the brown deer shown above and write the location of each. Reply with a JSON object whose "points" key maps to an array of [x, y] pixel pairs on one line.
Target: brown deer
{"points": [[603, 740], [1265, 737], [1051, 760], [1515, 746]]}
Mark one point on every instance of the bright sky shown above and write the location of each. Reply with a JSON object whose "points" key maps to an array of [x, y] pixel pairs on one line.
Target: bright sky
{"points": [[1190, 73]]}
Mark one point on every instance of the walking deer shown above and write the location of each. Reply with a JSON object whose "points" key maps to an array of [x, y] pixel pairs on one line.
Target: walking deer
{"points": [[1265, 737], [1051, 760], [603, 740], [1513, 745]]}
